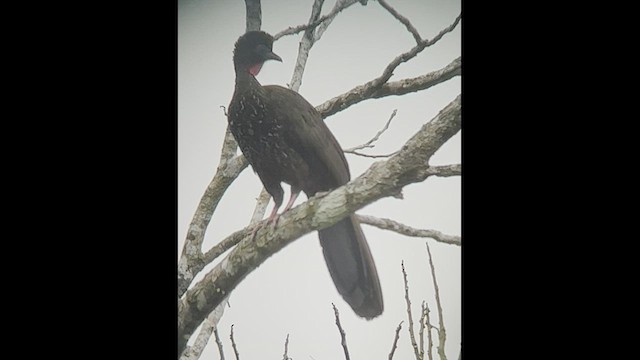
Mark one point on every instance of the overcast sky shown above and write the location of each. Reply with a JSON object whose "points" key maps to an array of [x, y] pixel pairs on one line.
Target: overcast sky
{"points": [[291, 293]]}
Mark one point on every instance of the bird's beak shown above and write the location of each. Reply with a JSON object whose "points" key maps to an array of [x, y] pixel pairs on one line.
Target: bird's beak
{"points": [[272, 56]]}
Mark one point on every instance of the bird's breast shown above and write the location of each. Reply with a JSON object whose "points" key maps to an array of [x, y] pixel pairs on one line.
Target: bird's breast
{"points": [[260, 136]]}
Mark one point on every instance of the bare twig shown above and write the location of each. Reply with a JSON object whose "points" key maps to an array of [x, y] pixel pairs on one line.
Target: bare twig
{"points": [[286, 349], [254, 15], [340, 5], [429, 334], [401, 87], [343, 336], [233, 344], [421, 331], [388, 71], [388, 224], [369, 155], [412, 336], [442, 334], [395, 340], [218, 342], [296, 29], [403, 20], [369, 143]]}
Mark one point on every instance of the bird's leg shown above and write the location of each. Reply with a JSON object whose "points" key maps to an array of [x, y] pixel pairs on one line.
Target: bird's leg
{"points": [[277, 194], [294, 195], [273, 217]]}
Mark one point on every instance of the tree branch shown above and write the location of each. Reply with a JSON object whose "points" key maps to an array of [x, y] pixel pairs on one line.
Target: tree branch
{"points": [[369, 143], [388, 224], [380, 180], [218, 342], [339, 6], [395, 340], [191, 261], [208, 326], [421, 331], [343, 335], [403, 20], [446, 170], [388, 71], [429, 334], [286, 349], [422, 82], [442, 335], [370, 155], [254, 15], [261, 206], [366, 91], [412, 336], [305, 45], [225, 245], [233, 344]]}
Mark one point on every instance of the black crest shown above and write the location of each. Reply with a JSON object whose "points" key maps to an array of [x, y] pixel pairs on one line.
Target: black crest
{"points": [[252, 48]]}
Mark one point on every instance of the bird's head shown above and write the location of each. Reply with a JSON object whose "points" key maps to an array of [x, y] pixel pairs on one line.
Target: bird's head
{"points": [[252, 50]]}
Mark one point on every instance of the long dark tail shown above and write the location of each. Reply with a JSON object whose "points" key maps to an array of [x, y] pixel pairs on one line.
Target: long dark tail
{"points": [[351, 266]]}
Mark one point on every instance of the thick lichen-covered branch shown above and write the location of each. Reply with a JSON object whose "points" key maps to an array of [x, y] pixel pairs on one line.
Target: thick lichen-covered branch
{"points": [[382, 179], [208, 327], [191, 260]]}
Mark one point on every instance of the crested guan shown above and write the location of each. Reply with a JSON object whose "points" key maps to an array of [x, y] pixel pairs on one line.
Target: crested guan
{"points": [[286, 140]]}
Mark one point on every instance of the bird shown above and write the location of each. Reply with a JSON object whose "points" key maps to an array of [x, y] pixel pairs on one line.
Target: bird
{"points": [[285, 139]]}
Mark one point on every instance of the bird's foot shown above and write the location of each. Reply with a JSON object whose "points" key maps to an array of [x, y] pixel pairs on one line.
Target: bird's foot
{"points": [[254, 231], [273, 220]]}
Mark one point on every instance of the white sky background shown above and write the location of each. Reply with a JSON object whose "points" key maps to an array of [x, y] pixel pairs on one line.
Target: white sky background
{"points": [[292, 292]]}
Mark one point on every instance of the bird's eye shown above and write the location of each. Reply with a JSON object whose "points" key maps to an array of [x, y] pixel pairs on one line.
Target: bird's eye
{"points": [[262, 49]]}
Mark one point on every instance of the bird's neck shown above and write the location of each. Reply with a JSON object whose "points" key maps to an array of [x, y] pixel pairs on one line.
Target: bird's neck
{"points": [[245, 80]]}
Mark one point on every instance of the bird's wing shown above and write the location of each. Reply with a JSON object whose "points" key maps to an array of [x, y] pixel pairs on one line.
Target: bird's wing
{"points": [[308, 135]]}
